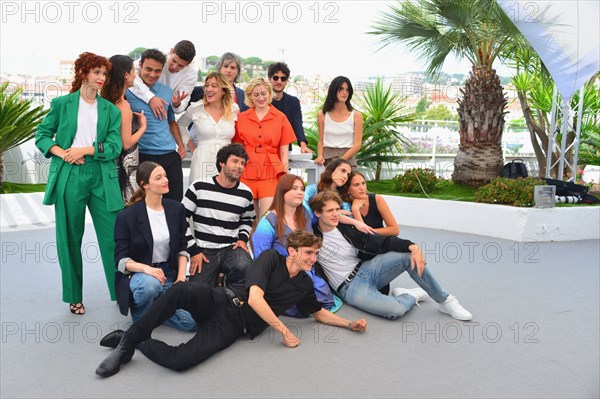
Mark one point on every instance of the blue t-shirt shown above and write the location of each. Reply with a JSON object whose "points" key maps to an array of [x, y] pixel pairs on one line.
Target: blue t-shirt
{"points": [[158, 139]]}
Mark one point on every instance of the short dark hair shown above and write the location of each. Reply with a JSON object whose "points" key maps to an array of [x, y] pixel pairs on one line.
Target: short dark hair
{"points": [[277, 67], [154, 54], [302, 238], [185, 50], [318, 201], [224, 153]]}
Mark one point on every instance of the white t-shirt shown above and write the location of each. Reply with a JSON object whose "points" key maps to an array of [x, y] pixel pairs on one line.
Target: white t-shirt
{"points": [[160, 235], [87, 124], [338, 257]]}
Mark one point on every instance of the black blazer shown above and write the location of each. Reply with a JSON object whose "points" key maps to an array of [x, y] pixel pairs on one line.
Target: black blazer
{"points": [[290, 106], [133, 239]]}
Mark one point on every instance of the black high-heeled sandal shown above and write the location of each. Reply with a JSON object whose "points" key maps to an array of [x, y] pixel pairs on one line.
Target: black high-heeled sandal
{"points": [[77, 308]]}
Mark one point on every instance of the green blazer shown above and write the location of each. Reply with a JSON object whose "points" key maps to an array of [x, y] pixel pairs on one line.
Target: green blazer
{"points": [[59, 128]]}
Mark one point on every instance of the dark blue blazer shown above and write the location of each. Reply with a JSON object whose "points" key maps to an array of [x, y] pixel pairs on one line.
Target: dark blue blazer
{"points": [[290, 106], [241, 97], [133, 239]]}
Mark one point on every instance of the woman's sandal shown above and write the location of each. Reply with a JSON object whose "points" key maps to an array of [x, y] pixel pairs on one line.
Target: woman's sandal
{"points": [[77, 308]]}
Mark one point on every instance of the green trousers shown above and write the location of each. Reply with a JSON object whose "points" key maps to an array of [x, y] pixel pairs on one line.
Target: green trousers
{"points": [[79, 186]]}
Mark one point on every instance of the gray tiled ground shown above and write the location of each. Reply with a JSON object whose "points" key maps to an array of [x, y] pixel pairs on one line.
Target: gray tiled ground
{"points": [[535, 332]]}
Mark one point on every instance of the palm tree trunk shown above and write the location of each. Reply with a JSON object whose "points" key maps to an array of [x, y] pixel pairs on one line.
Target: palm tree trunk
{"points": [[478, 164], [481, 117]]}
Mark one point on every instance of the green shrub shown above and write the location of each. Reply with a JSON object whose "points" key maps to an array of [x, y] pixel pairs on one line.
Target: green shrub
{"points": [[515, 192], [408, 182]]}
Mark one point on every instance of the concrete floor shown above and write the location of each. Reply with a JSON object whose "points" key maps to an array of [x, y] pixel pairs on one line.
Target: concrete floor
{"points": [[535, 332]]}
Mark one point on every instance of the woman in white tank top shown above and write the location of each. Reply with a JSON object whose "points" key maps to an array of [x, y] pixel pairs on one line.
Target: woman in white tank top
{"points": [[340, 126]]}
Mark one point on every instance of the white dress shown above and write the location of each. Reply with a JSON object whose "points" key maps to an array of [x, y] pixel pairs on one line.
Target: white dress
{"points": [[211, 136]]}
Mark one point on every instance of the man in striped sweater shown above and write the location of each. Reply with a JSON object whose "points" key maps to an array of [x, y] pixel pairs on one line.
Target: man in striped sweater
{"points": [[222, 213]]}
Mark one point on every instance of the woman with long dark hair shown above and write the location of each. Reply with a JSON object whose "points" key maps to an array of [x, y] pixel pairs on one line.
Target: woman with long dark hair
{"points": [[81, 134], [133, 124], [368, 207], [340, 126], [151, 247], [334, 177]]}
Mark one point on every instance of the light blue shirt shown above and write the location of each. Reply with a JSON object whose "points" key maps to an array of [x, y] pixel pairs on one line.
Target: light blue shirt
{"points": [[158, 139]]}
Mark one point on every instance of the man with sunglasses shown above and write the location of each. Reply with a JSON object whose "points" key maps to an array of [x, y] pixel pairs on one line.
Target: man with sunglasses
{"points": [[279, 74]]}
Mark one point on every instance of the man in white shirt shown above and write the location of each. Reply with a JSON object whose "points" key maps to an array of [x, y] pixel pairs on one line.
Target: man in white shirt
{"points": [[357, 265], [179, 76]]}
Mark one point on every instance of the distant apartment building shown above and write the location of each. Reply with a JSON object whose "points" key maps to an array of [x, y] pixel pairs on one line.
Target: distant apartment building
{"points": [[67, 69], [406, 84]]}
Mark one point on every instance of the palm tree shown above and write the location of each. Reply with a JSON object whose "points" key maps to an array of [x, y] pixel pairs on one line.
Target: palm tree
{"points": [[18, 120], [476, 30], [383, 112]]}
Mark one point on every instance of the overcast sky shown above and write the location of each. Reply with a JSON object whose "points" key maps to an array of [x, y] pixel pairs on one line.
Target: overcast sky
{"points": [[327, 37]]}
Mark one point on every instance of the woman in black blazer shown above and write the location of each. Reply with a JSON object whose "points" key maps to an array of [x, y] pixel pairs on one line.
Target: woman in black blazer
{"points": [[150, 251]]}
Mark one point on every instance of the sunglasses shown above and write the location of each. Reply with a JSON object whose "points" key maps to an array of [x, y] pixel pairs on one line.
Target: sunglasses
{"points": [[276, 78]]}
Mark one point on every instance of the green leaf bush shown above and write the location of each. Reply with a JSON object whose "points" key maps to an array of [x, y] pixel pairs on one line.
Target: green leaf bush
{"points": [[408, 182], [515, 192]]}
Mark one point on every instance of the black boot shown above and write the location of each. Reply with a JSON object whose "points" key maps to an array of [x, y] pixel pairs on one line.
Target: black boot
{"points": [[112, 339], [119, 356]]}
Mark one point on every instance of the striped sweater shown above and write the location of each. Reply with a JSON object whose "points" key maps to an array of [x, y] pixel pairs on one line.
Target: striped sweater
{"points": [[221, 216]]}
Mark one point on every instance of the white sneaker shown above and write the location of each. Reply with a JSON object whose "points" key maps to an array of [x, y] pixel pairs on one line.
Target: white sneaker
{"points": [[418, 293], [453, 308]]}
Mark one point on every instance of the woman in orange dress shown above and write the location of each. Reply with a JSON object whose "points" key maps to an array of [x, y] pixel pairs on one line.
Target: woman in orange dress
{"points": [[265, 133]]}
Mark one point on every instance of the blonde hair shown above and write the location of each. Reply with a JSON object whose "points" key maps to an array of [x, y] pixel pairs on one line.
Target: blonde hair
{"points": [[253, 84], [227, 98]]}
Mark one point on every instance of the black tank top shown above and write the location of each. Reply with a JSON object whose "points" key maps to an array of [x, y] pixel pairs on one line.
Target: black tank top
{"points": [[373, 218]]}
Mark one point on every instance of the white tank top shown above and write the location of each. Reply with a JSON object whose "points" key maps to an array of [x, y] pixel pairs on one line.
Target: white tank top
{"points": [[338, 134]]}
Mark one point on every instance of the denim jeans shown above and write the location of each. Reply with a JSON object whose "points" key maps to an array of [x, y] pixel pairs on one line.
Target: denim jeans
{"points": [[232, 262], [362, 292], [146, 288]]}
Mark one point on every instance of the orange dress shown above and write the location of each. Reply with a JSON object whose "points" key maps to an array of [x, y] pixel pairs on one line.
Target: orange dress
{"points": [[262, 140]]}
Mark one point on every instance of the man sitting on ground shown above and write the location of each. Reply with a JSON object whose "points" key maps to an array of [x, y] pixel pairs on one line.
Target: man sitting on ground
{"points": [[359, 264]]}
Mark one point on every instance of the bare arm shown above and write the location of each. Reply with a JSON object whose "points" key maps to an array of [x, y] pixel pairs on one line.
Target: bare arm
{"points": [[284, 156], [128, 139], [358, 127], [257, 302], [391, 226], [321, 124], [177, 136], [326, 317]]}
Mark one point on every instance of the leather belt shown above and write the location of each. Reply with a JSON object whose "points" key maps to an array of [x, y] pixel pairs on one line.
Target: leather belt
{"points": [[234, 299], [350, 277]]}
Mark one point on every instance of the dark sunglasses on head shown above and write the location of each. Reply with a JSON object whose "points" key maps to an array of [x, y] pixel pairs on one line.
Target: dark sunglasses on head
{"points": [[276, 78]]}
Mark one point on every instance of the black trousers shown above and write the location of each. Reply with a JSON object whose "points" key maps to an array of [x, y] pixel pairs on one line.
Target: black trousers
{"points": [[219, 325], [171, 163]]}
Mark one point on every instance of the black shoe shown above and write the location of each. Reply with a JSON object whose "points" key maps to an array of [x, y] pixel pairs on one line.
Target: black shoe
{"points": [[119, 356], [112, 339]]}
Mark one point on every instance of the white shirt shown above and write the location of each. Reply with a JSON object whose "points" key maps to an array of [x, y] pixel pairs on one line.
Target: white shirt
{"points": [[337, 256], [184, 81], [87, 124], [160, 235], [338, 134]]}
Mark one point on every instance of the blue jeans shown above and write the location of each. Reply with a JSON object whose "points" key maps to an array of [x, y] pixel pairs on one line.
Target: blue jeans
{"points": [[363, 290], [146, 288]]}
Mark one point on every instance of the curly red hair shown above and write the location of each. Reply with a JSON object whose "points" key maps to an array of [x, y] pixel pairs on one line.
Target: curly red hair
{"points": [[84, 64]]}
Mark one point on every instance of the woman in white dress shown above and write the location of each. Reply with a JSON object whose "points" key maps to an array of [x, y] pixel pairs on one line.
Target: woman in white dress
{"points": [[214, 124]]}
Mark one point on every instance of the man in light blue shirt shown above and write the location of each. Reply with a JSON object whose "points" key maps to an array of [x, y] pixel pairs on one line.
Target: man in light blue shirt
{"points": [[162, 141]]}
